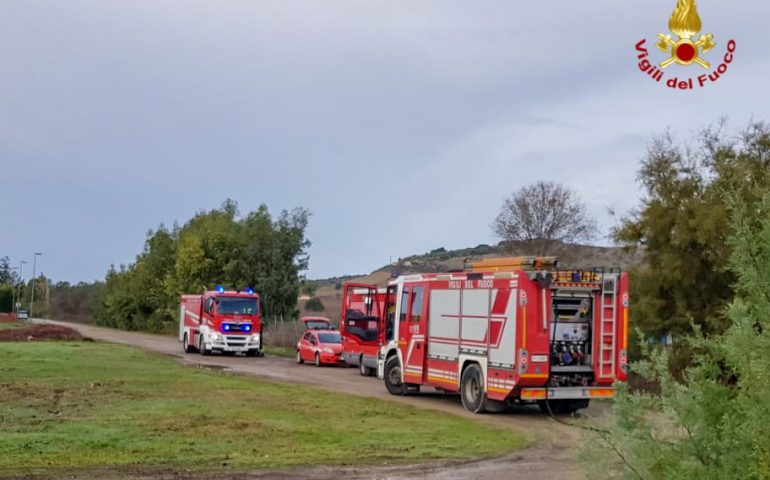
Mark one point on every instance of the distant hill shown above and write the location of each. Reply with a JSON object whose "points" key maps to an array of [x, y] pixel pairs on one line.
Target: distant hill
{"points": [[442, 260], [570, 256]]}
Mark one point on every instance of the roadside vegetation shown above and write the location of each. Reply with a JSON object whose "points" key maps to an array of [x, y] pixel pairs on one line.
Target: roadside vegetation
{"points": [[288, 352], [11, 325], [76, 406], [219, 247], [706, 225], [693, 190]]}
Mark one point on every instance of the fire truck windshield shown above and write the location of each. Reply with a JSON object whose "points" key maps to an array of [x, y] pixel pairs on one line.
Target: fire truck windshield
{"points": [[237, 306]]}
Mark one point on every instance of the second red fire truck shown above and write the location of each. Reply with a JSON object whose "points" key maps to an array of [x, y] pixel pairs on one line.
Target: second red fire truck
{"points": [[221, 321], [505, 330]]}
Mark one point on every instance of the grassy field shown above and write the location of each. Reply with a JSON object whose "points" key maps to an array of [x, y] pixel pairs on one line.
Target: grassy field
{"points": [[288, 352], [7, 325], [83, 405]]}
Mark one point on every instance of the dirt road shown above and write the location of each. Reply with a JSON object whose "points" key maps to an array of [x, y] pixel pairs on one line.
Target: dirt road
{"points": [[551, 455]]}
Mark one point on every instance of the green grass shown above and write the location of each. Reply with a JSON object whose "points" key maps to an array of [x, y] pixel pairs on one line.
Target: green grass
{"points": [[9, 325], [88, 405], [289, 352]]}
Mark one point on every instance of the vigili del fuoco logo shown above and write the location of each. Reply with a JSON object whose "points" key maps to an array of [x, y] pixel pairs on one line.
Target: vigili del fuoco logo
{"points": [[687, 48]]}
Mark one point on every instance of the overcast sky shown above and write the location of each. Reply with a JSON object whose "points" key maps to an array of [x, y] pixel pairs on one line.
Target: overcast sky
{"points": [[401, 125]]}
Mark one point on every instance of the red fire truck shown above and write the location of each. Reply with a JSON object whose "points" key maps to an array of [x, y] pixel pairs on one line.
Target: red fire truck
{"points": [[221, 321], [507, 330], [361, 326]]}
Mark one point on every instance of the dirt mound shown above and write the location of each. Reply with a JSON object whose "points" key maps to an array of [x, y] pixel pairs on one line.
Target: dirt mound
{"points": [[39, 332]]}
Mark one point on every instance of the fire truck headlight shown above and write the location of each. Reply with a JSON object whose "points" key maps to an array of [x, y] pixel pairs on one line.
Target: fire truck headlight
{"points": [[215, 336], [254, 338]]}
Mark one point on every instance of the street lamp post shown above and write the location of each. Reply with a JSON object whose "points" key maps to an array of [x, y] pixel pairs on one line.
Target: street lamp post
{"points": [[21, 280], [34, 264], [13, 293]]}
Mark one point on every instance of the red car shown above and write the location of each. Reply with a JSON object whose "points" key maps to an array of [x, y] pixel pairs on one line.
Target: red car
{"points": [[317, 323], [322, 347]]}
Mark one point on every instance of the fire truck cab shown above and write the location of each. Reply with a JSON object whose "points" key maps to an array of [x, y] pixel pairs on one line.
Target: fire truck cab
{"points": [[221, 321], [508, 330]]}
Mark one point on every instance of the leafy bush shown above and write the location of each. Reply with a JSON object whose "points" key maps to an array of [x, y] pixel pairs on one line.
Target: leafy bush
{"points": [[314, 305], [713, 423]]}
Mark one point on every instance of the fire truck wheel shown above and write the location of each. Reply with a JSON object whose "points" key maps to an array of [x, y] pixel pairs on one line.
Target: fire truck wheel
{"points": [[363, 369], [299, 358], [393, 377], [317, 360], [186, 347], [472, 389], [202, 346]]}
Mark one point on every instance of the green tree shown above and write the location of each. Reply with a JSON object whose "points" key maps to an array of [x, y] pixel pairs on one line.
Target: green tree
{"points": [[213, 248], [308, 288], [314, 305], [7, 274], [6, 298], [713, 423], [683, 225]]}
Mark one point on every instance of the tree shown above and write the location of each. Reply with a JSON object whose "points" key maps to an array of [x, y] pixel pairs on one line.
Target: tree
{"points": [[314, 305], [544, 213], [713, 423], [683, 223], [217, 247], [308, 288], [7, 274]]}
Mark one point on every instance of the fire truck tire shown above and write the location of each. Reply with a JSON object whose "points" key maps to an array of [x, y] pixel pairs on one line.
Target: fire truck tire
{"points": [[472, 389], [363, 369], [299, 358], [202, 346], [317, 360], [393, 377], [186, 347], [252, 353]]}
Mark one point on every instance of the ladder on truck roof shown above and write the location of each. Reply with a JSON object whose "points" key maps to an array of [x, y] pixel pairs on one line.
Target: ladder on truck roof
{"points": [[608, 327]]}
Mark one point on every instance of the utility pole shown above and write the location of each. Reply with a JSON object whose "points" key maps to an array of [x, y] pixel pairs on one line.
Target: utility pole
{"points": [[34, 280], [21, 281], [13, 291]]}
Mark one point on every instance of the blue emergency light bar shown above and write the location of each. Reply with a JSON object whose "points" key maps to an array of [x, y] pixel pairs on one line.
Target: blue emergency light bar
{"points": [[243, 327]]}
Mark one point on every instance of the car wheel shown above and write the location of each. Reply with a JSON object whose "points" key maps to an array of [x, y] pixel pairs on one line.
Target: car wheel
{"points": [[472, 389], [299, 358], [317, 360], [393, 377]]}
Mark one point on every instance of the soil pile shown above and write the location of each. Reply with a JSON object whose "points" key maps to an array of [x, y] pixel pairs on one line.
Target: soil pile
{"points": [[39, 332]]}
